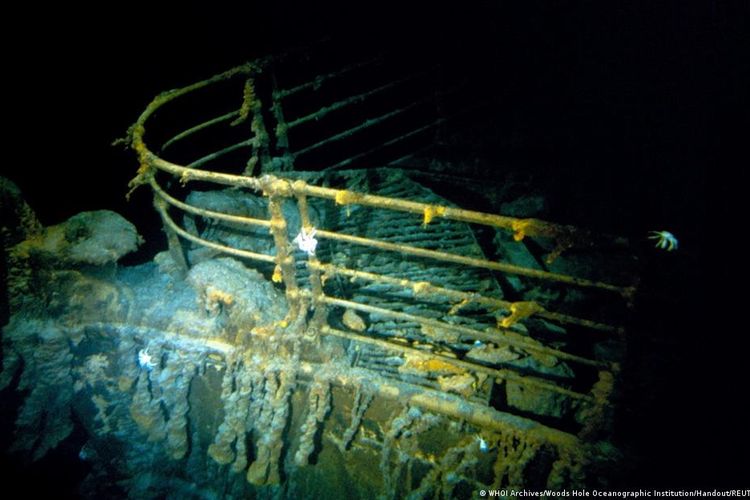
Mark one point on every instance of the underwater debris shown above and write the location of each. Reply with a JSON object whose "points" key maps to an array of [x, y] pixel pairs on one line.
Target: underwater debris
{"points": [[214, 386], [362, 400], [537, 400], [519, 311], [232, 430], [241, 394], [269, 428], [73, 257], [320, 402], [18, 221], [177, 375], [241, 296], [440, 481], [353, 321], [596, 415], [493, 354], [464, 384], [397, 426], [215, 371], [44, 419], [418, 363], [515, 451]]}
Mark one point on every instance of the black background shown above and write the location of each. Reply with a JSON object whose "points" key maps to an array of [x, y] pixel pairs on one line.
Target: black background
{"points": [[639, 104]]}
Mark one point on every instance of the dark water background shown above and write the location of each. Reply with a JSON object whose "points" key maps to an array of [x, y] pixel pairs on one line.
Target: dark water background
{"points": [[626, 111]]}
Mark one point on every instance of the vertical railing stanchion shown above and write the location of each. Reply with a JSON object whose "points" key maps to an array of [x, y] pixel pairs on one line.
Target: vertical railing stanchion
{"points": [[252, 108], [282, 140], [173, 242], [275, 190], [316, 284]]}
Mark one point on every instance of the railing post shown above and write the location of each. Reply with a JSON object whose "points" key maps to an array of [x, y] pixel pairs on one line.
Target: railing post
{"points": [[282, 140], [173, 241], [276, 189], [252, 108], [319, 316]]}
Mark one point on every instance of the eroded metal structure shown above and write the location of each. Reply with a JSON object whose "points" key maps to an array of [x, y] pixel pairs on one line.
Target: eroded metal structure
{"points": [[404, 339]]}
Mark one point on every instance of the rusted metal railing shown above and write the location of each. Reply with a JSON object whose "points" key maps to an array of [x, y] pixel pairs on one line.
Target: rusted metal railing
{"points": [[320, 298]]}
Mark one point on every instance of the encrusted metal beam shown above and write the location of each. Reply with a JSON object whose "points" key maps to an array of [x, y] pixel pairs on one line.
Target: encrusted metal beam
{"points": [[210, 244], [501, 374], [322, 112], [471, 261], [468, 333], [319, 80], [197, 128], [238, 219], [426, 288], [449, 405], [362, 126], [218, 154]]}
